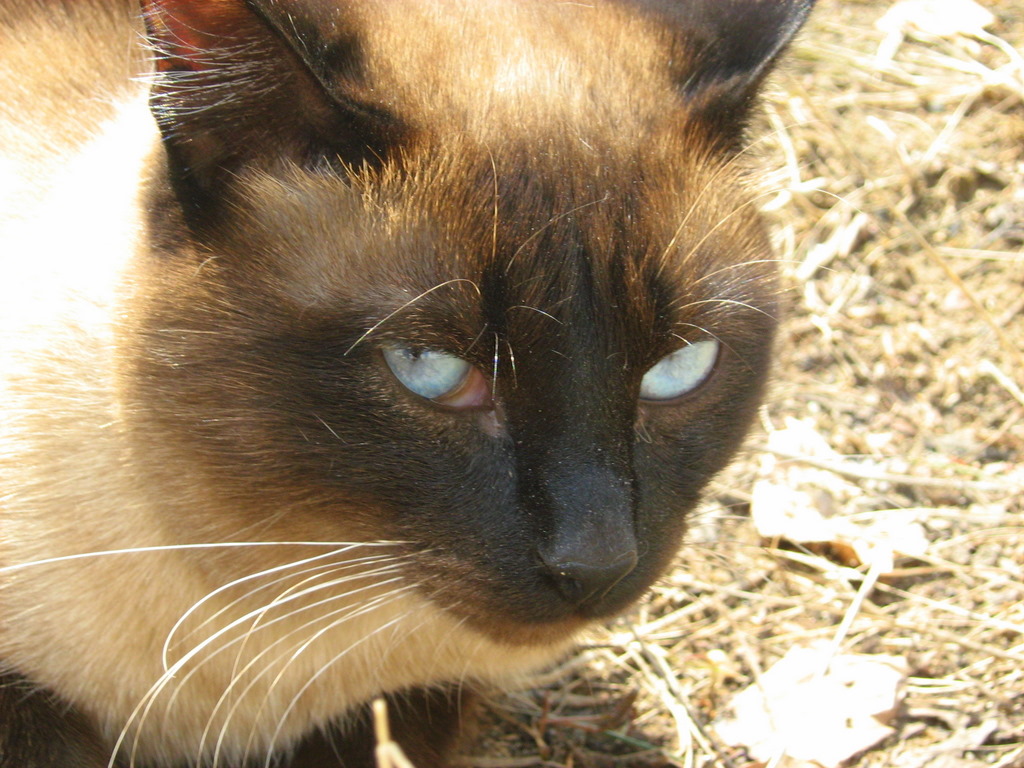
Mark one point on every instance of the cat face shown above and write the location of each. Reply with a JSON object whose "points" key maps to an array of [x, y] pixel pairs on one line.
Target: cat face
{"points": [[490, 289]]}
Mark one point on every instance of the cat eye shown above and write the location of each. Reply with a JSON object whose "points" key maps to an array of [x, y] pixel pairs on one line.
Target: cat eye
{"points": [[438, 376], [680, 372]]}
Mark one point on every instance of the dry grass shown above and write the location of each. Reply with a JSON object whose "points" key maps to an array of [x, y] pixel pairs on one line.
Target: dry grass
{"points": [[901, 223]]}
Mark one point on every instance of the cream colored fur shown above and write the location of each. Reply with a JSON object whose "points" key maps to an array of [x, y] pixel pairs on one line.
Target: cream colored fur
{"points": [[93, 628]]}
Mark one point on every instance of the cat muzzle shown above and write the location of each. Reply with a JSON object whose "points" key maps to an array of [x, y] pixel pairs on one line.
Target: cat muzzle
{"points": [[593, 545]]}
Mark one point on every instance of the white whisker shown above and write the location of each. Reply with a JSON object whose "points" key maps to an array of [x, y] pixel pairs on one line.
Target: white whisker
{"points": [[336, 618], [494, 372], [405, 306], [305, 588], [143, 709], [734, 302], [741, 265], [406, 631], [363, 639], [256, 614], [721, 222], [712, 335], [550, 223], [538, 311], [329, 428], [251, 577], [708, 186], [184, 547], [512, 363]]}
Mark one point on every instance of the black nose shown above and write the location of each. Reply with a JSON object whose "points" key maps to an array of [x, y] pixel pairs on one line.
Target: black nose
{"points": [[591, 544], [586, 577]]}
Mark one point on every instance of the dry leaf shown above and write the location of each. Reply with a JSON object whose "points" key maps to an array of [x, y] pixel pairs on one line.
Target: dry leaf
{"points": [[799, 504], [940, 18], [816, 707], [791, 500]]}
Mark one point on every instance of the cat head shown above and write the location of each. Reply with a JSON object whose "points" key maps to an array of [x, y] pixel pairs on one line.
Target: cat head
{"points": [[479, 276]]}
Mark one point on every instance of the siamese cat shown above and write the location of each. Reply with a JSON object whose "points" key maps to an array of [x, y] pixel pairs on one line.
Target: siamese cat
{"points": [[355, 348]]}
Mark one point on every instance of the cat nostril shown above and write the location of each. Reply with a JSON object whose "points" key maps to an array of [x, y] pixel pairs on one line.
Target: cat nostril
{"points": [[581, 582]]}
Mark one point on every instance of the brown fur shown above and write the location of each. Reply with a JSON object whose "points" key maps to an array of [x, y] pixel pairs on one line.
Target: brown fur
{"points": [[225, 526]]}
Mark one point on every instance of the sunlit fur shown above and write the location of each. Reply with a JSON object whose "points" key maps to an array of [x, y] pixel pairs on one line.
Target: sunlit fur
{"points": [[223, 523]]}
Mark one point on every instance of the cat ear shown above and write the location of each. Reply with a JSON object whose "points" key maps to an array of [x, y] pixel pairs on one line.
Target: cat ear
{"points": [[241, 84], [726, 49]]}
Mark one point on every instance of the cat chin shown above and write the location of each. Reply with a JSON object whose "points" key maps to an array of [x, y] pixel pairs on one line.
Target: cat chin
{"points": [[547, 623], [526, 635], [522, 607]]}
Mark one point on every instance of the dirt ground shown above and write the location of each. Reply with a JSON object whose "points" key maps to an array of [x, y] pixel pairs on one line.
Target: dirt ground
{"points": [[897, 199]]}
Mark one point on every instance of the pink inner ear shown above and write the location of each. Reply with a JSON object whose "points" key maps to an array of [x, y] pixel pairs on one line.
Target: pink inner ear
{"points": [[185, 31]]}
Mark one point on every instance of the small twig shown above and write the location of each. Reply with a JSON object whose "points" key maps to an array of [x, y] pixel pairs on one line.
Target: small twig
{"points": [[980, 253], [1009, 346], [987, 366], [955, 610], [848, 469], [387, 752], [481, 761], [1013, 760], [963, 642], [667, 686], [853, 611]]}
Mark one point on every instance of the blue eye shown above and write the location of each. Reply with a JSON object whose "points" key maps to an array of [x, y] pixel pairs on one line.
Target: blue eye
{"points": [[427, 372], [681, 372]]}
